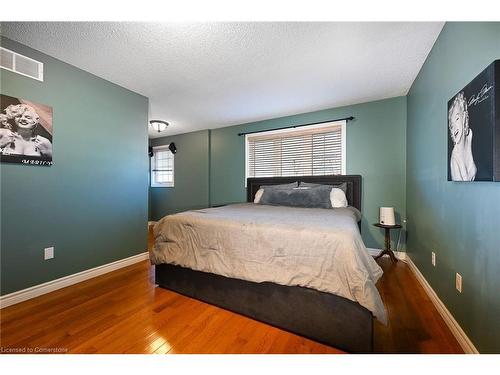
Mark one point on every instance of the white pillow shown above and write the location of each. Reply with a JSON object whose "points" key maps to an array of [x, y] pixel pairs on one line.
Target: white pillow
{"points": [[337, 198], [258, 195]]}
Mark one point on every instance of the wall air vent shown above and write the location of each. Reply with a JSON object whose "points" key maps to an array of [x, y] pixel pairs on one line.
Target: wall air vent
{"points": [[20, 64]]}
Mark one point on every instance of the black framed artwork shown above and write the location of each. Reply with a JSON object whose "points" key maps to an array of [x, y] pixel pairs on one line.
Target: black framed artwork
{"points": [[474, 129], [25, 132]]}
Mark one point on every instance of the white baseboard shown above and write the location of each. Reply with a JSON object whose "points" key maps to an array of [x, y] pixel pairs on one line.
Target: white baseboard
{"points": [[50, 286], [457, 331]]}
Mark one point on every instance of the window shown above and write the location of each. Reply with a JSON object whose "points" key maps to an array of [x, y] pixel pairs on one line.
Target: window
{"points": [[305, 151], [162, 167]]}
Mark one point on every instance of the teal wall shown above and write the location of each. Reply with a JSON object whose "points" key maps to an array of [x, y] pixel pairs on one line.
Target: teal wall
{"points": [[191, 164], [457, 220], [376, 143], [92, 203]]}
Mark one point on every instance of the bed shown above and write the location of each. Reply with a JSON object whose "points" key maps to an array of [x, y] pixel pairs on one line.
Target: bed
{"points": [[304, 270]]}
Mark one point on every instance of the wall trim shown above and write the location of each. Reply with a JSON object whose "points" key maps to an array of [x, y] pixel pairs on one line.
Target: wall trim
{"points": [[457, 331], [50, 286], [450, 321]]}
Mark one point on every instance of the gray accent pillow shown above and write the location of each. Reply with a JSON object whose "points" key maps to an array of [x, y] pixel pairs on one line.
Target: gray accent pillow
{"points": [[342, 186], [282, 186], [315, 197]]}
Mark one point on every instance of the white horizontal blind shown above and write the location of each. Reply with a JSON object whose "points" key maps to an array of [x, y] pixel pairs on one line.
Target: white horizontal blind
{"points": [[305, 151], [162, 167]]}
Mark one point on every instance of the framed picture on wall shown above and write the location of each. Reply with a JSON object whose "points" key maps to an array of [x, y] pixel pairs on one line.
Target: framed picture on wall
{"points": [[25, 132], [474, 129]]}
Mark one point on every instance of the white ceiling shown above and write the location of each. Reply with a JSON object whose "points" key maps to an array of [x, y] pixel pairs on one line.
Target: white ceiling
{"points": [[210, 75]]}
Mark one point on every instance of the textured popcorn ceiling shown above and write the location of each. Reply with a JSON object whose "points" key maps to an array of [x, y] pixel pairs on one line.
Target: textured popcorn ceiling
{"points": [[209, 75]]}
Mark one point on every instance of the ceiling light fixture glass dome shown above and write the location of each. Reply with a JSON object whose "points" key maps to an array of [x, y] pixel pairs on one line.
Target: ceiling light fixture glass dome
{"points": [[158, 125]]}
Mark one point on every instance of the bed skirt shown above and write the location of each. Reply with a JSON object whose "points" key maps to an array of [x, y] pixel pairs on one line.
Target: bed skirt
{"points": [[323, 317]]}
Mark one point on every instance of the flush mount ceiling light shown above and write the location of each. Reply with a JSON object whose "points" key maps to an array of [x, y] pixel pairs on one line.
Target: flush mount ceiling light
{"points": [[158, 125]]}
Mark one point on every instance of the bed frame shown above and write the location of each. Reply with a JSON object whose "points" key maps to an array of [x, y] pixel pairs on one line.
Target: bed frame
{"points": [[323, 317]]}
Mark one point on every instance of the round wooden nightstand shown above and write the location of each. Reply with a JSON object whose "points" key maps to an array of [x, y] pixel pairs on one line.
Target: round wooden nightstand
{"points": [[387, 249]]}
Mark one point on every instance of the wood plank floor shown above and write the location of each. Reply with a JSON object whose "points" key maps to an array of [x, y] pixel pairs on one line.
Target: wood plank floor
{"points": [[123, 312]]}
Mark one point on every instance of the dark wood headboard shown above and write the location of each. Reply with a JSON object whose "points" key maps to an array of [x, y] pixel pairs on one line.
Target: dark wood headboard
{"points": [[353, 182]]}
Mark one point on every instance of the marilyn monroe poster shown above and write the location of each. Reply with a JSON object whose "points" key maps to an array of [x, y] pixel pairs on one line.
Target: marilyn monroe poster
{"points": [[25, 132], [472, 129]]}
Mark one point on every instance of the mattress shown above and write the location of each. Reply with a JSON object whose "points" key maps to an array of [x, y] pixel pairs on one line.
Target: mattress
{"points": [[315, 248]]}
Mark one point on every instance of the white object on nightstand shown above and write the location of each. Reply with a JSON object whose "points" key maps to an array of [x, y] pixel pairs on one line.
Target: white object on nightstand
{"points": [[387, 216]]}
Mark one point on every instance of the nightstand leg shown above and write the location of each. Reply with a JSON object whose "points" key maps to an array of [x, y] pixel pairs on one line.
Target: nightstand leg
{"points": [[387, 249]]}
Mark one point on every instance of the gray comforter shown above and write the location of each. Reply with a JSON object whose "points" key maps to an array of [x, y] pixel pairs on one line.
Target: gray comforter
{"points": [[315, 248]]}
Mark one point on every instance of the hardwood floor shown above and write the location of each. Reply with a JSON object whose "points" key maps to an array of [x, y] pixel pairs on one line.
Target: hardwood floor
{"points": [[123, 312], [415, 325]]}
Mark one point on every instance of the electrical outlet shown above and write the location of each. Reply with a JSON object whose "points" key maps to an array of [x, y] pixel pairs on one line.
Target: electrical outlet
{"points": [[458, 282], [48, 253], [434, 259]]}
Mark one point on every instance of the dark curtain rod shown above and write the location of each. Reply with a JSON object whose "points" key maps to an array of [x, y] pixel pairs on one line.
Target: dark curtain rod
{"points": [[298, 126]]}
